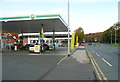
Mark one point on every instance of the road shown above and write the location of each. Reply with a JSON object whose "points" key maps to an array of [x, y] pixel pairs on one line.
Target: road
{"points": [[22, 65], [106, 57], [51, 65]]}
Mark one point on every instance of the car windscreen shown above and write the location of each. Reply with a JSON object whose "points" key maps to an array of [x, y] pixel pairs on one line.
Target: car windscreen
{"points": [[31, 45]]}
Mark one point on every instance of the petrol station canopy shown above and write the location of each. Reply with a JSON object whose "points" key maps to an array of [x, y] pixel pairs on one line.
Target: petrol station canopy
{"points": [[33, 24]]}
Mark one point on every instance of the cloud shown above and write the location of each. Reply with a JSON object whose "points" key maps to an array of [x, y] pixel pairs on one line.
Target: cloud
{"points": [[88, 25], [24, 1], [91, 26], [60, 11], [94, 0], [59, 1]]}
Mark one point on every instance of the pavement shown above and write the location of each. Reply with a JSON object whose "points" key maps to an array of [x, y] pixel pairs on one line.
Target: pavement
{"points": [[75, 67], [54, 66], [80, 55]]}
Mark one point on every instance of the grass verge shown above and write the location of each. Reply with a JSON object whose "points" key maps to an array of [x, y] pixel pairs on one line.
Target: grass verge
{"points": [[113, 44]]}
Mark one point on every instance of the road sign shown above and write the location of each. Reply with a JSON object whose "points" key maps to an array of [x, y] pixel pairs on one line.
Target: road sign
{"points": [[32, 16], [95, 39]]}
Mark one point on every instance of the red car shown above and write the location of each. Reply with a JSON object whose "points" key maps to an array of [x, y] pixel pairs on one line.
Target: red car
{"points": [[82, 44], [89, 43]]}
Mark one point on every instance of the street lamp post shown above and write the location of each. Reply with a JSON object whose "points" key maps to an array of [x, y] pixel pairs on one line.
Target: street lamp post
{"points": [[68, 32], [115, 35], [116, 28], [111, 36]]}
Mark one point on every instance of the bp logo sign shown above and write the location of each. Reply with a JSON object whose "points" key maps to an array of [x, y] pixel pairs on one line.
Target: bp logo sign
{"points": [[32, 16]]}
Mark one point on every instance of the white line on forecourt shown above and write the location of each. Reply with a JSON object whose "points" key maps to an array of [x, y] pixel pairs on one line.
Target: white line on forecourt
{"points": [[106, 62], [61, 60], [97, 54]]}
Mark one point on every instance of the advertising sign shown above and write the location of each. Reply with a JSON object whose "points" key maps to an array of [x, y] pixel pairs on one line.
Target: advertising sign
{"points": [[37, 48], [72, 41], [77, 44]]}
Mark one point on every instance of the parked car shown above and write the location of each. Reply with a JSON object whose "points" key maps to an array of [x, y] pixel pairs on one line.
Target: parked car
{"points": [[27, 46], [31, 48], [51, 46], [46, 47], [12, 46], [89, 43], [82, 44]]}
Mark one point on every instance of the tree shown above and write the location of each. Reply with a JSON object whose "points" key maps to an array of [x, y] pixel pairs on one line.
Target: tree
{"points": [[109, 34], [80, 33], [92, 36]]}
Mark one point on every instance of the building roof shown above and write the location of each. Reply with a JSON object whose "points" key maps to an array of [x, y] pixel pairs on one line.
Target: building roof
{"points": [[33, 24], [48, 34]]}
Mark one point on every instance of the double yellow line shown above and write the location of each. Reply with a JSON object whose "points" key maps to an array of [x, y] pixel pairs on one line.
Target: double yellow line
{"points": [[97, 69]]}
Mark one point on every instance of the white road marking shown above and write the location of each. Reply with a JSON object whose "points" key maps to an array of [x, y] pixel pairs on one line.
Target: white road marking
{"points": [[106, 62], [97, 54], [61, 60]]}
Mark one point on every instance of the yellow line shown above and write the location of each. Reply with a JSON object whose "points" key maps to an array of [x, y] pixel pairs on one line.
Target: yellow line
{"points": [[96, 70], [93, 61], [100, 71]]}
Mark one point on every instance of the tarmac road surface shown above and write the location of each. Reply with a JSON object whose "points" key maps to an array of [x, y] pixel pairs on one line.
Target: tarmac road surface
{"points": [[54, 65], [106, 57]]}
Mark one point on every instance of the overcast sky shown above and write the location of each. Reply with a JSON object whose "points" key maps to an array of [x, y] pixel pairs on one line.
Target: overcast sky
{"points": [[91, 15]]}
